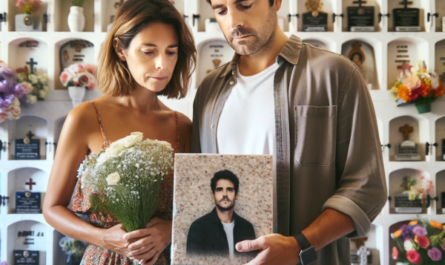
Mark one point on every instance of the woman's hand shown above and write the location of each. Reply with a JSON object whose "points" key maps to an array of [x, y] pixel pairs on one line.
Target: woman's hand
{"points": [[113, 240], [150, 242]]}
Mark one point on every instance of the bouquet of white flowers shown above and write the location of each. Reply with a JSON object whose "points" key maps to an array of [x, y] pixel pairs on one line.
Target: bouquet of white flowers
{"points": [[125, 178]]}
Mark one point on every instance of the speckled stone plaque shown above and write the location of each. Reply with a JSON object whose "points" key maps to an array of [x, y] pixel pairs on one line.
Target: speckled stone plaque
{"points": [[200, 232]]}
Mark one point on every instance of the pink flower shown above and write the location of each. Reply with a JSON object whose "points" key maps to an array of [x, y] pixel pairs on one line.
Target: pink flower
{"points": [[422, 241], [90, 69], [84, 80], [64, 78], [435, 254], [395, 253], [413, 257], [28, 87], [419, 231]]}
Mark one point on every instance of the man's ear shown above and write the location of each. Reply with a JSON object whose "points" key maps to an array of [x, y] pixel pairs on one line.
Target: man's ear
{"points": [[120, 51], [277, 4]]}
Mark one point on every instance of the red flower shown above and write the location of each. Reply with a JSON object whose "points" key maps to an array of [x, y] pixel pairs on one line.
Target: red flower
{"points": [[413, 257], [395, 253], [84, 81], [423, 241]]}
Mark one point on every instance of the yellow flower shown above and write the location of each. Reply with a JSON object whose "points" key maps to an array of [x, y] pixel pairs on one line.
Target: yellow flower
{"points": [[414, 222], [397, 233]]}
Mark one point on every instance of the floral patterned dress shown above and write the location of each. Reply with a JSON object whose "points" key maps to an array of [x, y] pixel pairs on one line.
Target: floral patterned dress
{"points": [[95, 255]]}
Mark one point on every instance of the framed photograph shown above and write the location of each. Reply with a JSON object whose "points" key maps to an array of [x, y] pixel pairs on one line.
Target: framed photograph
{"points": [[220, 200]]}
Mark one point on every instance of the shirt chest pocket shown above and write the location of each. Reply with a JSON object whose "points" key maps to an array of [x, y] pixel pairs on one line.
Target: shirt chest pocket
{"points": [[315, 134]]}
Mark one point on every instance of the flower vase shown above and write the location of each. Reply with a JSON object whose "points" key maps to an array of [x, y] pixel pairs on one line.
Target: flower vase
{"points": [[76, 93], [76, 19], [423, 108], [26, 22]]}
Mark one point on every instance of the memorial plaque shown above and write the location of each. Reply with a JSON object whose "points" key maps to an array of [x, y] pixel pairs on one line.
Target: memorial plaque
{"points": [[406, 19], [76, 51], [407, 150], [27, 202], [28, 148], [26, 257], [404, 205], [314, 19], [361, 18]]}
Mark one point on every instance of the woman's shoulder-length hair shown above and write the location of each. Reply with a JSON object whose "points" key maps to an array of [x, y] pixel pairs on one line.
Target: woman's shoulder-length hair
{"points": [[132, 17]]}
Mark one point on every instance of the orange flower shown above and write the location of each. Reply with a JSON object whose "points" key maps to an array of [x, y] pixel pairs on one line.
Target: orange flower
{"points": [[436, 225], [425, 90], [414, 222], [397, 233], [404, 93]]}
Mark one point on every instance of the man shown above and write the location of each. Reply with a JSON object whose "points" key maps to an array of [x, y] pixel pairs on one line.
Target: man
{"points": [[311, 109], [217, 233]]}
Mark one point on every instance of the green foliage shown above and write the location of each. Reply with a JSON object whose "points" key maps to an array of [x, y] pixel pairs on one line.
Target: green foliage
{"points": [[77, 2]]}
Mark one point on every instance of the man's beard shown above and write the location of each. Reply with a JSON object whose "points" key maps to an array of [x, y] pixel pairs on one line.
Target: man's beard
{"points": [[224, 209], [261, 39]]}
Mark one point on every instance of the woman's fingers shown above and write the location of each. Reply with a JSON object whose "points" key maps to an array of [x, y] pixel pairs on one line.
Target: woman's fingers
{"points": [[141, 250], [137, 234], [147, 255], [153, 260]]}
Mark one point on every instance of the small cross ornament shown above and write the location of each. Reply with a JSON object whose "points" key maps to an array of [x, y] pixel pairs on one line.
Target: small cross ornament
{"points": [[359, 2], [31, 63], [30, 183], [28, 138], [406, 130], [405, 3]]}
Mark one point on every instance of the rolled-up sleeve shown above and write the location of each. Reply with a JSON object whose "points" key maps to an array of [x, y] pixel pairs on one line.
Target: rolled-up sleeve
{"points": [[362, 191]]}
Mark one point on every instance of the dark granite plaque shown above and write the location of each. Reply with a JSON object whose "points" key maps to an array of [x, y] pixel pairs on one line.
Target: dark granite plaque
{"points": [[361, 18], [26, 257], [404, 205], [406, 19], [27, 202], [29, 151], [315, 23]]}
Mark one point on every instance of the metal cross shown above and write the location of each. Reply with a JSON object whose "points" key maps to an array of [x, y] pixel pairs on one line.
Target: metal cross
{"points": [[30, 183], [32, 63], [359, 2], [405, 3]]}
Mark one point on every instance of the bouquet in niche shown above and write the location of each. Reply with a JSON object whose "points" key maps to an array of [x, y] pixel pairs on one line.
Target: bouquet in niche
{"points": [[28, 6], [39, 84], [73, 248], [419, 242], [12, 94], [79, 75], [419, 87], [125, 178]]}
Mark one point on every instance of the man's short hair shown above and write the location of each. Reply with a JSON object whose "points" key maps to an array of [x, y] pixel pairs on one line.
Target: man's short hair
{"points": [[224, 174], [271, 2]]}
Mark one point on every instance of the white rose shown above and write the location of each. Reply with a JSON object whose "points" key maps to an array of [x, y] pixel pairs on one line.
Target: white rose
{"points": [[435, 81], [32, 99], [120, 145], [46, 88], [33, 79], [44, 78], [408, 245], [113, 179], [43, 94]]}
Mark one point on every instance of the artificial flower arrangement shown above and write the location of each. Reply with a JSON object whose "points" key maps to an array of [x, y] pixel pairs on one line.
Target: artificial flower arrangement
{"points": [[12, 94], [28, 6], [419, 87], [420, 242], [79, 75], [73, 248], [39, 84], [124, 179], [418, 190]]}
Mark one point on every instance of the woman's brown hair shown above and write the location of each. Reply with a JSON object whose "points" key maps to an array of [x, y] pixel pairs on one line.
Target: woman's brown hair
{"points": [[133, 16]]}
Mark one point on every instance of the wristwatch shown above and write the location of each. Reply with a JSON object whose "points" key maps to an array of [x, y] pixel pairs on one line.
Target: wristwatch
{"points": [[307, 251]]}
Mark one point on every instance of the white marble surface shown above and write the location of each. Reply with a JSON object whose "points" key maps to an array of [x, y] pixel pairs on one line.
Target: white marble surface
{"points": [[193, 197]]}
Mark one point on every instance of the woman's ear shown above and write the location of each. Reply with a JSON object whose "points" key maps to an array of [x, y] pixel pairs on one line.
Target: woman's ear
{"points": [[120, 51]]}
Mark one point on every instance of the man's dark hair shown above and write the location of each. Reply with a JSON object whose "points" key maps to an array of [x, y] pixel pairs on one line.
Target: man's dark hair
{"points": [[224, 174], [271, 2]]}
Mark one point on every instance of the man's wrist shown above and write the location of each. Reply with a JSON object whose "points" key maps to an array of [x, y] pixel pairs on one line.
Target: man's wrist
{"points": [[296, 248], [306, 252]]}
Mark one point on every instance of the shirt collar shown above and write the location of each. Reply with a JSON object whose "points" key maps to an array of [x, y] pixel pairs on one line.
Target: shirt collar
{"points": [[290, 53]]}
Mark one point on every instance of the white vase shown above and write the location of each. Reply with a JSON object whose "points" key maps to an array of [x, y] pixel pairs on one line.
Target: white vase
{"points": [[76, 19], [76, 93]]}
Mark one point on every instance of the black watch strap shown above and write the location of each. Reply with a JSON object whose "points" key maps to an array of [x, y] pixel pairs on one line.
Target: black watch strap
{"points": [[302, 241]]}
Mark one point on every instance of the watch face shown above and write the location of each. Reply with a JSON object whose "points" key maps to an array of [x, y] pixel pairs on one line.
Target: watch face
{"points": [[307, 256]]}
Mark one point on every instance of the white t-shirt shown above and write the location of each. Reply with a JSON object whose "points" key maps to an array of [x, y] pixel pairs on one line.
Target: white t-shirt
{"points": [[228, 228], [247, 122]]}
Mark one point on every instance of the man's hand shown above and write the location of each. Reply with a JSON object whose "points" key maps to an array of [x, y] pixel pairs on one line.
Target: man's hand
{"points": [[274, 249]]}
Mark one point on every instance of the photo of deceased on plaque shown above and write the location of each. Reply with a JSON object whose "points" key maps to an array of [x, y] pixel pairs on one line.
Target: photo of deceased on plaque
{"points": [[219, 201]]}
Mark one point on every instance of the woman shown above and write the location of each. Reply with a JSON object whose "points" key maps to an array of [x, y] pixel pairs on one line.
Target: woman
{"points": [[149, 51]]}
